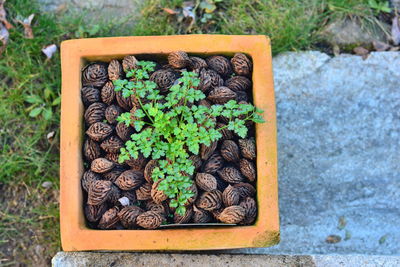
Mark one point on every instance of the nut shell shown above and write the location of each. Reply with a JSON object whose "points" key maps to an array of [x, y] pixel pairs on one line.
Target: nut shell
{"points": [[196, 160], [99, 192], [129, 63], [124, 132], [94, 74], [241, 64], [163, 78], [230, 196], [148, 170], [230, 151], [241, 96], [137, 164], [206, 151], [238, 83], [245, 189], [210, 200], [95, 113], [114, 70], [109, 219], [220, 64], [185, 218], [209, 79], [248, 169], [221, 95], [201, 216], [112, 112], [130, 194], [112, 144], [144, 192], [161, 209], [157, 195], [206, 181], [88, 178], [113, 157], [90, 95], [91, 149], [93, 213], [129, 180], [113, 174], [178, 59], [124, 102], [128, 216], [226, 134], [250, 206], [108, 93], [197, 63], [149, 220], [101, 165], [248, 148], [99, 131], [231, 175], [232, 214], [213, 164]]}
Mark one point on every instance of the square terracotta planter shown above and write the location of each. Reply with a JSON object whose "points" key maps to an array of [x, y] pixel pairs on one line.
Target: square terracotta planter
{"points": [[75, 235]]}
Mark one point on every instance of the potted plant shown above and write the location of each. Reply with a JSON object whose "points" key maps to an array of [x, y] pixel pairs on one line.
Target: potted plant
{"points": [[148, 148]]}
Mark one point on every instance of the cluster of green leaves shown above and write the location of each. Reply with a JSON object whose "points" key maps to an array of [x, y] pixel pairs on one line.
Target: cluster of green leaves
{"points": [[170, 127]]}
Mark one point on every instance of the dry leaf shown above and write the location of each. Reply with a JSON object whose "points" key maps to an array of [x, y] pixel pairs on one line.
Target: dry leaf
{"points": [[169, 11], [333, 239], [3, 15], [396, 30], [361, 51], [26, 22], [50, 136], [49, 50], [380, 46], [4, 35]]}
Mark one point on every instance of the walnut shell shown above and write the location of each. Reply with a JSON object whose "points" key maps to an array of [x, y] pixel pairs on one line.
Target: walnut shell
{"points": [[210, 200], [241, 96], [163, 78], [114, 70], [178, 59], [230, 151], [196, 160], [232, 214], [124, 132], [241, 64], [157, 195], [130, 194], [109, 219], [206, 151], [185, 218], [209, 79], [112, 144], [99, 192], [250, 206], [129, 180], [149, 220], [124, 102], [230, 196], [90, 95], [221, 95], [248, 169], [108, 93], [197, 63], [128, 216], [213, 164], [88, 178], [238, 83], [144, 192], [113, 157], [113, 174], [93, 213], [148, 170], [95, 113], [129, 63], [112, 112], [94, 74], [206, 181], [99, 130], [226, 134], [201, 216], [137, 164], [231, 175], [245, 189], [220, 64], [248, 148], [91, 149], [115, 195], [101, 165], [161, 209]]}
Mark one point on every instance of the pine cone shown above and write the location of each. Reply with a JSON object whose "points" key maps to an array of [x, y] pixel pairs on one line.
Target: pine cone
{"points": [[231, 175], [185, 218], [248, 148], [245, 189], [221, 95], [178, 59], [238, 83], [232, 214], [206, 181], [197, 63], [163, 78], [230, 196], [129, 63], [206, 151], [101, 165], [125, 103], [208, 80], [148, 170], [241, 64], [129, 180], [93, 213], [114, 70], [90, 95], [128, 216], [99, 130], [95, 113], [226, 134], [157, 195], [91, 150], [242, 96], [230, 151], [113, 174], [161, 209], [112, 112], [112, 144], [210, 200], [201, 216], [99, 192], [137, 164], [109, 219], [220, 64], [250, 206], [248, 169], [196, 161], [88, 178], [144, 192], [94, 74], [214, 163], [149, 220], [108, 93], [124, 132]]}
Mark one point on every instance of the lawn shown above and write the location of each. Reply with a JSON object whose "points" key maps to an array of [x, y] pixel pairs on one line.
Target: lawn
{"points": [[30, 94]]}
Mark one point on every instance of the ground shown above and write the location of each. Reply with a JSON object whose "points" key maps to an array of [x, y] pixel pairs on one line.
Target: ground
{"points": [[30, 87]]}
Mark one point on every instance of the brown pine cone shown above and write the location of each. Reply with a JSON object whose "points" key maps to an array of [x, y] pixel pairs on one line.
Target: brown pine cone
{"points": [[221, 95], [112, 144], [230, 151], [196, 161], [206, 181], [238, 83], [99, 131], [248, 148], [197, 63], [161, 209], [128, 216], [124, 132], [185, 218], [112, 112], [226, 134], [178, 59], [124, 102], [129, 180], [108, 93], [250, 206], [129, 63], [91, 150], [137, 164], [99, 192], [94, 74], [93, 213], [245, 189], [209, 79], [220, 64], [230, 196], [149, 220], [101, 165], [248, 169], [231, 175], [201, 216], [241, 64], [232, 214], [115, 70], [109, 219], [206, 151], [113, 174], [95, 113], [148, 170], [88, 178], [210, 200], [157, 195], [163, 78], [90, 95], [213, 164], [144, 192]]}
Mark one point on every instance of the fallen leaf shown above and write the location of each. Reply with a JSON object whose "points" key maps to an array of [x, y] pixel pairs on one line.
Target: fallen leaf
{"points": [[396, 30], [361, 51], [3, 15], [124, 201], [4, 35], [49, 50], [26, 22], [169, 11], [332, 239], [380, 46]]}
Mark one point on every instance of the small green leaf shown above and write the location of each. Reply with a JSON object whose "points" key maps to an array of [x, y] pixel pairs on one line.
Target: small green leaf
{"points": [[47, 114], [35, 112], [33, 99]]}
